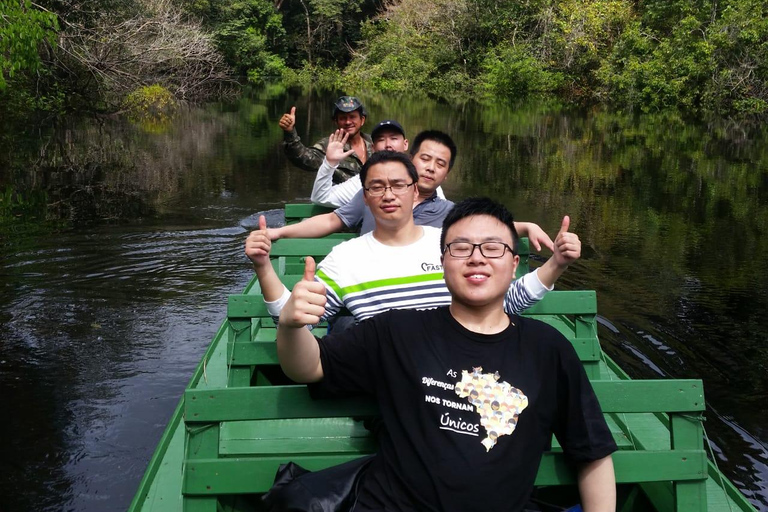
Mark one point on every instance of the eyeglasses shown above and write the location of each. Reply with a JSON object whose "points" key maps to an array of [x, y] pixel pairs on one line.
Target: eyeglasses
{"points": [[464, 250], [379, 190]]}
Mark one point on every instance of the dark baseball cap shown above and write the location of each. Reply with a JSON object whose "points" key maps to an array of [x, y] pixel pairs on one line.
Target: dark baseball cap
{"points": [[388, 124], [348, 104]]}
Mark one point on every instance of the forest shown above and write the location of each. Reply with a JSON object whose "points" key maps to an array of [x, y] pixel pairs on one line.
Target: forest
{"points": [[703, 58]]}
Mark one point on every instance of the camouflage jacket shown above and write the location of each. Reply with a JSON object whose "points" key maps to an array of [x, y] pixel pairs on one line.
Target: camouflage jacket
{"points": [[310, 159]]}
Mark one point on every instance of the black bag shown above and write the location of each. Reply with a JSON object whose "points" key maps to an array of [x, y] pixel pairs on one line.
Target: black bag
{"points": [[332, 489]]}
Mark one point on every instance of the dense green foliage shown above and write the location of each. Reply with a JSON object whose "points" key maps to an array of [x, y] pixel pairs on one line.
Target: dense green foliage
{"points": [[699, 56], [22, 29], [703, 57]]}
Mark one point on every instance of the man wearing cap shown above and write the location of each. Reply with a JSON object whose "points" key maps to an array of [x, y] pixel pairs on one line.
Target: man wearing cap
{"points": [[387, 135], [349, 115]]}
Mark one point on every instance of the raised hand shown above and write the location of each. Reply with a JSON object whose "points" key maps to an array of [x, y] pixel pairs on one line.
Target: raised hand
{"points": [[288, 121], [335, 152], [258, 244], [307, 303], [567, 245]]}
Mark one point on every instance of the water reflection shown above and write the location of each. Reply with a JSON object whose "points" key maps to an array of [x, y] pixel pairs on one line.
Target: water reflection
{"points": [[101, 323]]}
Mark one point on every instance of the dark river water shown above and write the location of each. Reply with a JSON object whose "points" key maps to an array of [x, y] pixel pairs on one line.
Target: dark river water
{"points": [[120, 240]]}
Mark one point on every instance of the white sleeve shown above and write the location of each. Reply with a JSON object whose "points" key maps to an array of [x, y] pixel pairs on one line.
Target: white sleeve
{"points": [[343, 193], [275, 307], [525, 292], [323, 184], [325, 193], [440, 193]]}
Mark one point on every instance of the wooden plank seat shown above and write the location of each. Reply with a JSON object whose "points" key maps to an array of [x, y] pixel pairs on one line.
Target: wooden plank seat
{"points": [[297, 212], [243, 465]]}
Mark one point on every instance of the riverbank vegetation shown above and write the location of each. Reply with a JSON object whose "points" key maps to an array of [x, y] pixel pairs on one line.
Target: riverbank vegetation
{"points": [[704, 58]]}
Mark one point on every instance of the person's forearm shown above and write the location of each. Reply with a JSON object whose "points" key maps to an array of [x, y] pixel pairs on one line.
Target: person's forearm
{"points": [[521, 228], [597, 486], [271, 286], [300, 155], [314, 227], [550, 272], [321, 190], [299, 354]]}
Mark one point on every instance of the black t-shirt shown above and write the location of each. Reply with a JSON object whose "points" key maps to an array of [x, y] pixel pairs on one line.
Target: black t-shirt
{"points": [[436, 452]]}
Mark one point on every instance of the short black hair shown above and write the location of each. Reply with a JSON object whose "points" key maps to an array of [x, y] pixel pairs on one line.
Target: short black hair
{"points": [[436, 136], [479, 206], [380, 157]]}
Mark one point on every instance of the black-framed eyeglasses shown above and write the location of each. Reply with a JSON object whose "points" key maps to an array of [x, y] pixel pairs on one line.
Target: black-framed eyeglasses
{"points": [[379, 190], [464, 250]]}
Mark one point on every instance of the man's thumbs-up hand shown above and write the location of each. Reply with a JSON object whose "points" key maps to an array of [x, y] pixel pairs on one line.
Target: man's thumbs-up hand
{"points": [[258, 244], [567, 245], [307, 303], [288, 121]]}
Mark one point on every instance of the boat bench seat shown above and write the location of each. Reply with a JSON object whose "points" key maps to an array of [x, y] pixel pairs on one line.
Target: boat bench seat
{"points": [[255, 431]]}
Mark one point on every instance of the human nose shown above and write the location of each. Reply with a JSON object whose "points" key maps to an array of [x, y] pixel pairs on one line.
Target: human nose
{"points": [[388, 193], [476, 256]]}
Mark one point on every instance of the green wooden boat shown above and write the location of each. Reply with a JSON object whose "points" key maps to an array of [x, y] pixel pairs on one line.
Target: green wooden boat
{"points": [[233, 427]]}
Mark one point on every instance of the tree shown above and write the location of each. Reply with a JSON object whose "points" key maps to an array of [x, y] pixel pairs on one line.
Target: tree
{"points": [[23, 27]]}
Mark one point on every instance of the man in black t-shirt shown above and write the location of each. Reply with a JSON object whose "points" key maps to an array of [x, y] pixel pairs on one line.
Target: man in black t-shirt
{"points": [[469, 396]]}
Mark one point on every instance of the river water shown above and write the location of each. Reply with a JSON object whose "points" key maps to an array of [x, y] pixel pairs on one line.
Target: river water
{"points": [[120, 240]]}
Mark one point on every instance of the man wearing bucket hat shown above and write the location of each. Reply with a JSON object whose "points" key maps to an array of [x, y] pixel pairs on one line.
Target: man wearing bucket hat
{"points": [[349, 115]]}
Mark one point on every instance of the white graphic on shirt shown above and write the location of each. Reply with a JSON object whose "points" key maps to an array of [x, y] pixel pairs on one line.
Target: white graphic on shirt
{"points": [[498, 402]]}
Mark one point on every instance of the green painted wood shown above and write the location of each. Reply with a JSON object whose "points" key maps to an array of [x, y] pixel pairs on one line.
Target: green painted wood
{"points": [[201, 444], [298, 212], [687, 434], [565, 303], [302, 247], [294, 401], [629, 396], [248, 475], [300, 436], [263, 351], [246, 306], [268, 403], [239, 332]]}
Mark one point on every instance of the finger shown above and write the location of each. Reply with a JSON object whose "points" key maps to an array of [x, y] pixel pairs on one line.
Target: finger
{"points": [[309, 268], [262, 223], [536, 244], [348, 153], [293, 111], [565, 225]]}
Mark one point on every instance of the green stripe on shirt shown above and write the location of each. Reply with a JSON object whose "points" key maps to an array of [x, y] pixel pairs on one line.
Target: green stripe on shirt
{"points": [[395, 281]]}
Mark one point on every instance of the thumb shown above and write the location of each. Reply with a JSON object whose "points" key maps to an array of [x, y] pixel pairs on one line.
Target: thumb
{"points": [[293, 111], [262, 223], [565, 225], [309, 268]]}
